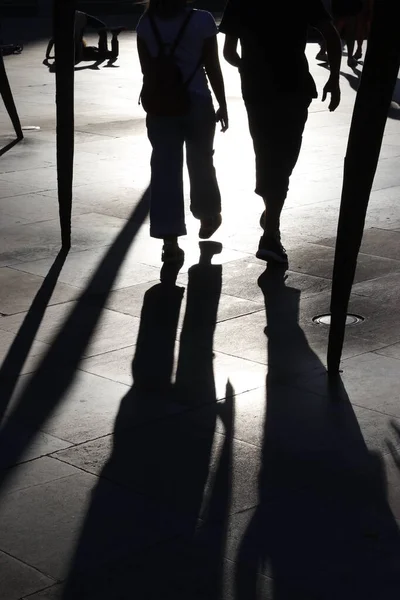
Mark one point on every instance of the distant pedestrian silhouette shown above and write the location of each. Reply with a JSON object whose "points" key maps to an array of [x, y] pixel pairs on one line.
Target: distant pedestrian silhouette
{"points": [[98, 53], [177, 48], [277, 89], [347, 14], [363, 26]]}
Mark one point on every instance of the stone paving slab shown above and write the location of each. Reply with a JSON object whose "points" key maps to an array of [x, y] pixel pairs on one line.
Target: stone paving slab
{"points": [[18, 289], [7, 338], [79, 267], [242, 374], [51, 517], [392, 351], [34, 241], [34, 208], [376, 242], [251, 341], [19, 579], [106, 199], [129, 301], [87, 410], [317, 260], [183, 568], [20, 443], [113, 331]]}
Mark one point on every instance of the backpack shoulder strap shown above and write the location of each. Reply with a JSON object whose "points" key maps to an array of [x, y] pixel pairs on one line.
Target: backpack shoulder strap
{"points": [[157, 34], [181, 32]]}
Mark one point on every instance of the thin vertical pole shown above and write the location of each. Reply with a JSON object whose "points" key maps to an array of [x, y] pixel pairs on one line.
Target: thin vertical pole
{"points": [[64, 26], [366, 134]]}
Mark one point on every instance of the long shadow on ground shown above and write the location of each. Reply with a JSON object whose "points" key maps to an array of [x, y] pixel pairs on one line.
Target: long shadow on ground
{"points": [[46, 387], [14, 361], [160, 457], [323, 528]]}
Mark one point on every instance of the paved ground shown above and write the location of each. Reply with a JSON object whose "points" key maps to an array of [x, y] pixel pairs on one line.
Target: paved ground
{"points": [[158, 441]]}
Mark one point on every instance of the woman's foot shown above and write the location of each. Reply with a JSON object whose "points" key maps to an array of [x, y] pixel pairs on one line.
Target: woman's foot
{"points": [[358, 54], [171, 253], [352, 62], [209, 226]]}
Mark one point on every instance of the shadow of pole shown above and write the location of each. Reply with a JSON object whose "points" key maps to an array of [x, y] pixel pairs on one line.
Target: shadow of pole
{"points": [[323, 520], [46, 387], [14, 361], [8, 147]]}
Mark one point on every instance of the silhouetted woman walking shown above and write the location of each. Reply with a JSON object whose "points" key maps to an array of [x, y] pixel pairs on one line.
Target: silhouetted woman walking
{"points": [[178, 50]]}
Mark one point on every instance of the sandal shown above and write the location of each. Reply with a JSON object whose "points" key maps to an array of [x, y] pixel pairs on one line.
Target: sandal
{"points": [[209, 226]]}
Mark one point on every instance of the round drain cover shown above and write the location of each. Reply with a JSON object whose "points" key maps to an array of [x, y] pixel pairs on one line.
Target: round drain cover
{"points": [[326, 319]]}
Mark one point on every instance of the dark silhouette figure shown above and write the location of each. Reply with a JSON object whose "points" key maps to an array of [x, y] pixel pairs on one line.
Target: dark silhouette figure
{"points": [[83, 52], [161, 450], [178, 53], [277, 103], [323, 529]]}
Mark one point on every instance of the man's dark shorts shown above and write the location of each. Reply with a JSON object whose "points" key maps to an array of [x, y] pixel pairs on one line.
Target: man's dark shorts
{"points": [[276, 126]]}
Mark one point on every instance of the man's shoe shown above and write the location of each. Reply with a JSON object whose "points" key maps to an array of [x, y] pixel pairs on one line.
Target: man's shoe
{"points": [[270, 249]]}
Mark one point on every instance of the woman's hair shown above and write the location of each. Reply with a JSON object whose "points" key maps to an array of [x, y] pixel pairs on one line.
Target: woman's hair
{"points": [[168, 8]]}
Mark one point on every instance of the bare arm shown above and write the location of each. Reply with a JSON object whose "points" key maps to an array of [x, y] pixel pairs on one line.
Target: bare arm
{"points": [[231, 54], [214, 74], [334, 50]]}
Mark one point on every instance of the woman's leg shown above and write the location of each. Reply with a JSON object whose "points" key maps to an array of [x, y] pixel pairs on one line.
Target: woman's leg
{"points": [[199, 137], [167, 214], [114, 46]]}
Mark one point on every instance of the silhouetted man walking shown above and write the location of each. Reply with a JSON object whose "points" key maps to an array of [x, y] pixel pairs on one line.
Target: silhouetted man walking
{"points": [[277, 89]]}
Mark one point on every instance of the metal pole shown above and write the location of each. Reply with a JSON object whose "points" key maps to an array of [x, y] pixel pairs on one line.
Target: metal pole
{"points": [[366, 134], [64, 26], [8, 99]]}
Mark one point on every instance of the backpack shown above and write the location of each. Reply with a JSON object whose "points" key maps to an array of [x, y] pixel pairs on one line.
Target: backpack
{"points": [[164, 92]]}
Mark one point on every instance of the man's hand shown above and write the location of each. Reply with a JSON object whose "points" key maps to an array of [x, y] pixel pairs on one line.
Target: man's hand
{"points": [[221, 116], [332, 87], [231, 54]]}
